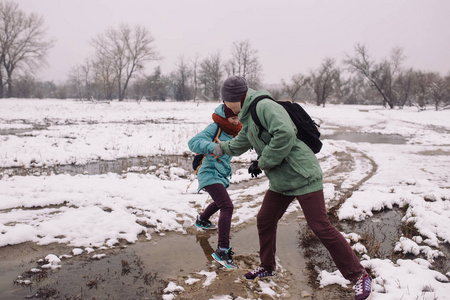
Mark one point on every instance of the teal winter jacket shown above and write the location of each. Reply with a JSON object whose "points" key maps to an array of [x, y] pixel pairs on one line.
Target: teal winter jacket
{"points": [[289, 164], [212, 170]]}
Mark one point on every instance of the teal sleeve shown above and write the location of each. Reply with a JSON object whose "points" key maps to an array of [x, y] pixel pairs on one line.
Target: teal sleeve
{"points": [[202, 143]]}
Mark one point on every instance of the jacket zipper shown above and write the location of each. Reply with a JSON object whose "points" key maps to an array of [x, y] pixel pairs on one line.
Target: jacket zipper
{"points": [[256, 144]]}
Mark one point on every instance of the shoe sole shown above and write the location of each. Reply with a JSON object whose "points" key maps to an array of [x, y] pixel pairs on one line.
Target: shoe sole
{"points": [[221, 262], [205, 228], [261, 278], [371, 290]]}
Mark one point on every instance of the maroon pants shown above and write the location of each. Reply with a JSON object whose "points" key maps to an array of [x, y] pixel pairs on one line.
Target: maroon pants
{"points": [[223, 203], [313, 205]]}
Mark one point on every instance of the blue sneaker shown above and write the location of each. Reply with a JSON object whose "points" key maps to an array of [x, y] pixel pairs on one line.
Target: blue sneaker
{"points": [[225, 258], [363, 288], [204, 224]]}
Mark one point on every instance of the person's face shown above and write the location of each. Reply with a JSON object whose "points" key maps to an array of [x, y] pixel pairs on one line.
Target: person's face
{"points": [[233, 120], [234, 106]]}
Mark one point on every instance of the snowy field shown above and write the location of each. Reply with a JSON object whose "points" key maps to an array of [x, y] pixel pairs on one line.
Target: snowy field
{"points": [[98, 211]]}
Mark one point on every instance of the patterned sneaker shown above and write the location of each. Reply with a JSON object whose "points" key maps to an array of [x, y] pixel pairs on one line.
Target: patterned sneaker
{"points": [[204, 224], [363, 288], [259, 272], [224, 257]]}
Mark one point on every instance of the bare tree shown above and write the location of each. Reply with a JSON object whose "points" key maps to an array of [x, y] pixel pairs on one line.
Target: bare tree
{"points": [[195, 66], [404, 87], [297, 82], [156, 86], [138, 88], [323, 80], [22, 44], [381, 75], [127, 50], [76, 81], [210, 75], [447, 90], [181, 77], [276, 90], [81, 79], [245, 62], [438, 90], [104, 77], [422, 83], [351, 90]]}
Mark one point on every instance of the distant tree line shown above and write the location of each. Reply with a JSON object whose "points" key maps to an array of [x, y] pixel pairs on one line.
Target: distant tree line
{"points": [[360, 79], [118, 70]]}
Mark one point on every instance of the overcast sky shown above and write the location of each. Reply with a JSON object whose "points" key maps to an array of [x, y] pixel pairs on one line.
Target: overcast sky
{"points": [[290, 36]]}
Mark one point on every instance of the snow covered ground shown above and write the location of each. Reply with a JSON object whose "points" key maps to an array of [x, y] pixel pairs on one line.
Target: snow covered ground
{"points": [[93, 211]]}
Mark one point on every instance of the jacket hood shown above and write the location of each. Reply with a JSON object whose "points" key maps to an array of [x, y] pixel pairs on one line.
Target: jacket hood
{"points": [[220, 110]]}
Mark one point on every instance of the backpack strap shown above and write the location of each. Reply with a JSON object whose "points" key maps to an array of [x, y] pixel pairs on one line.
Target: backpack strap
{"points": [[215, 139], [254, 115], [218, 132]]}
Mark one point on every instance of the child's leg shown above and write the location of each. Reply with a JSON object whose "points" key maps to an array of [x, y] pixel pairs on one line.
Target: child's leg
{"points": [[223, 202], [209, 211]]}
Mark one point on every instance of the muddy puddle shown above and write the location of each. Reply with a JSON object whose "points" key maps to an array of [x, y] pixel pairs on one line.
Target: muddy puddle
{"points": [[118, 166], [144, 269], [13, 131], [380, 232], [141, 270]]}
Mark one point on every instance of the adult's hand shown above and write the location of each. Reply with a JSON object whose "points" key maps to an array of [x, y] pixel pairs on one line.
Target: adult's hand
{"points": [[217, 152], [254, 169]]}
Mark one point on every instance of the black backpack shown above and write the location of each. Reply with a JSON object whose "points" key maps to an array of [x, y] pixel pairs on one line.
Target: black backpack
{"points": [[198, 158], [306, 127]]}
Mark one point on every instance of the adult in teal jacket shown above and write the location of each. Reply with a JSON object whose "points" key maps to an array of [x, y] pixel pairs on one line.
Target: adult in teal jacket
{"points": [[293, 172], [213, 176]]}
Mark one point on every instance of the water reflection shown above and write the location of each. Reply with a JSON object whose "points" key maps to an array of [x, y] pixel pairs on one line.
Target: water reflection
{"points": [[203, 240], [381, 231], [144, 165], [118, 166], [21, 129]]}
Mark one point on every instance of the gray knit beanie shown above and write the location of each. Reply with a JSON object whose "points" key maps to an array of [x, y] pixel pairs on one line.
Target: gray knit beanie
{"points": [[233, 88]]}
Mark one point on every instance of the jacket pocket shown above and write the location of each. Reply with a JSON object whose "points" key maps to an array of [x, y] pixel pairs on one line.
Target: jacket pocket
{"points": [[223, 169], [298, 166], [284, 178]]}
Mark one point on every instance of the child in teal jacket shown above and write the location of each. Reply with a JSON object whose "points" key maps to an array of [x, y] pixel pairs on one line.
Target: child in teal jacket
{"points": [[213, 176]]}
